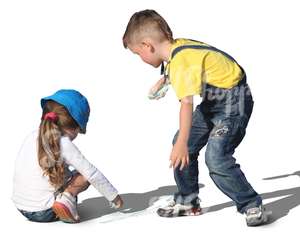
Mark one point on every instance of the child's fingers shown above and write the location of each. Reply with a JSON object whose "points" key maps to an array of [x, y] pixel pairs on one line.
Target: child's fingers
{"points": [[184, 163], [174, 164], [171, 162], [178, 160]]}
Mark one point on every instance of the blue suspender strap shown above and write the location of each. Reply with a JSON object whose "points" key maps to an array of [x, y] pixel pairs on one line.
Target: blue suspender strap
{"points": [[180, 48]]}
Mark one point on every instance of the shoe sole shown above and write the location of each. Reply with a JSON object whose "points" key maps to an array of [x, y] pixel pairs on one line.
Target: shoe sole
{"points": [[259, 222], [63, 213]]}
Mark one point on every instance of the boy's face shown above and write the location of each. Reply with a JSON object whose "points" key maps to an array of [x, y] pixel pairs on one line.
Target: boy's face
{"points": [[147, 53]]}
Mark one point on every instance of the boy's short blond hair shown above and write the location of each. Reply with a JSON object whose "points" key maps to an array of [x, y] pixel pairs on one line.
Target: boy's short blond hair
{"points": [[146, 23]]}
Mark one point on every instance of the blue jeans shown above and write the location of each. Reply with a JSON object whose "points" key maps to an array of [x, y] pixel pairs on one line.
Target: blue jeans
{"points": [[40, 216], [219, 122], [49, 215]]}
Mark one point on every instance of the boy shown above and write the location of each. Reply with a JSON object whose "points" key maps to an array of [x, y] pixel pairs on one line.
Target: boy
{"points": [[219, 122]]}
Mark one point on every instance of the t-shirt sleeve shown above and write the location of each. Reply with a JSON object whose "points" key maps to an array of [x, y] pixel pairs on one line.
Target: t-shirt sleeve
{"points": [[185, 77], [73, 157]]}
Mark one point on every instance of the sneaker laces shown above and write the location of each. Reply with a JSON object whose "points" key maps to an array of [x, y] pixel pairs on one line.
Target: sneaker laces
{"points": [[177, 206], [254, 212]]}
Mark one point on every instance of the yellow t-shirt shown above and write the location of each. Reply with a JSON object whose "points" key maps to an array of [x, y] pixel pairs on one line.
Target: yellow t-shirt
{"points": [[190, 68]]}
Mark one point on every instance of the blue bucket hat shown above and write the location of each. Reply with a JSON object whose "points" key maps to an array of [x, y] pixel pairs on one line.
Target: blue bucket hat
{"points": [[76, 104]]}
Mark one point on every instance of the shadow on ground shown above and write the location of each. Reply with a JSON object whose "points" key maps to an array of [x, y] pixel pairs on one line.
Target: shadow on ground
{"points": [[279, 208], [135, 202]]}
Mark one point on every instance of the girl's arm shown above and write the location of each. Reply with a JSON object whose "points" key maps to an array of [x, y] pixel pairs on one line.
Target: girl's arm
{"points": [[73, 157]]}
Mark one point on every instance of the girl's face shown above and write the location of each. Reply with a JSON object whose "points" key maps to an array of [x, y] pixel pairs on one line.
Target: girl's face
{"points": [[71, 133]]}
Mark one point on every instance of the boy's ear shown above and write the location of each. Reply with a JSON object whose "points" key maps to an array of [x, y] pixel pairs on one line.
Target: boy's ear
{"points": [[147, 43]]}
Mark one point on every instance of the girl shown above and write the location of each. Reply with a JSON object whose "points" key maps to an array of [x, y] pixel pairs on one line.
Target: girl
{"points": [[45, 189]]}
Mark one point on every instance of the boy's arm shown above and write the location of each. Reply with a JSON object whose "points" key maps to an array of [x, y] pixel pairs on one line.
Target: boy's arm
{"points": [[180, 154]]}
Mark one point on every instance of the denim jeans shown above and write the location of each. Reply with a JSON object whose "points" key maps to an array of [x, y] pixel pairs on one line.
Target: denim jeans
{"points": [[219, 122], [40, 216], [49, 215]]}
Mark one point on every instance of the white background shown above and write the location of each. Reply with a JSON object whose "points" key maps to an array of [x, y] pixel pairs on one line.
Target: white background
{"points": [[49, 45]]}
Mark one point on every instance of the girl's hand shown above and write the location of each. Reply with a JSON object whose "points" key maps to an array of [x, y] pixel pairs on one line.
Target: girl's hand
{"points": [[117, 202], [179, 155]]}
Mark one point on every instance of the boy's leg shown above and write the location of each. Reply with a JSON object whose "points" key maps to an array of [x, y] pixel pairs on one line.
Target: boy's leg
{"points": [[187, 179], [186, 201], [226, 135]]}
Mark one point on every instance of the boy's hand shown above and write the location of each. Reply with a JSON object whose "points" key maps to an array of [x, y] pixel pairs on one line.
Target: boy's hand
{"points": [[179, 155], [158, 85], [117, 202], [159, 90]]}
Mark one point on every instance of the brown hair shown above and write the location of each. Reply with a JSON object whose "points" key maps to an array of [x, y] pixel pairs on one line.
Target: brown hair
{"points": [[147, 21], [50, 132]]}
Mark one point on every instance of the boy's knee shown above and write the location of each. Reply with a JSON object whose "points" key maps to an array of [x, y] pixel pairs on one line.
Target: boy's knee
{"points": [[218, 161], [220, 131], [214, 155], [210, 160]]}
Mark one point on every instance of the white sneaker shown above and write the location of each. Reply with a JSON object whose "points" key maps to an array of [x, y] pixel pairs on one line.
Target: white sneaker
{"points": [[65, 207], [178, 210], [256, 216]]}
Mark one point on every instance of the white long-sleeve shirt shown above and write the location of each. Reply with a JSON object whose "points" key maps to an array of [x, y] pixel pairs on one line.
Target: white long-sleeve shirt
{"points": [[32, 190]]}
